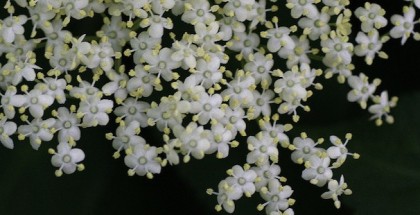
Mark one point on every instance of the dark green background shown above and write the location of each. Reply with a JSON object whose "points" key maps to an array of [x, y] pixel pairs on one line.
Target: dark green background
{"points": [[384, 181]]}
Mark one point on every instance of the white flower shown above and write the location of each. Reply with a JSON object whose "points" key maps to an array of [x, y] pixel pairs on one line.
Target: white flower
{"points": [[245, 43], [207, 73], [277, 197], [229, 25], [371, 16], [143, 43], [143, 84], [290, 86], [337, 50], [161, 64], [296, 54], [305, 148], [260, 68], [7, 129], [197, 11], [239, 90], [266, 173], [193, 140], [241, 9], [302, 7], [403, 25], [222, 138], [369, 45], [66, 159], [10, 100], [143, 161], [133, 110], [156, 25], [262, 149], [339, 151], [12, 26], [234, 120], [185, 52], [95, 111], [115, 30], [382, 108], [169, 113], [226, 195], [37, 102], [261, 104], [278, 37], [243, 178], [317, 25], [276, 131], [318, 171], [54, 87], [207, 108], [336, 189], [127, 137], [38, 130], [67, 124], [362, 89]]}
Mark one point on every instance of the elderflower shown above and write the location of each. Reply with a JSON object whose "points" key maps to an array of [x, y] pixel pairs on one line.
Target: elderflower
{"points": [[209, 76]]}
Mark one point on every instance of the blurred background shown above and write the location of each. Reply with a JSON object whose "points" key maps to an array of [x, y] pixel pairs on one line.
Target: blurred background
{"points": [[385, 180]]}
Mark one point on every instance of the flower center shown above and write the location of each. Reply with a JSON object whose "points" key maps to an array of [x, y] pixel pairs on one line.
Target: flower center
{"points": [[125, 139], [365, 90], [306, 150], [143, 45], [261, 69], [62, 62], [207, 74], [132, 110], [162, 65], [407, 25], [233, 119], [90, 91], [320, 170], [142, 160], [112, 35], [200, 12], [67, 124], [273, 134], [237, 89], [241, 181], [207, 107], [302, 2], [319, 23], [298, 50], [193, 143], [34, 100], [263, 149], [247, 43], [267, 174], [260, 102], [53, 36], [338, 47], [94, 110], [145, 79], [236, 4], [66, 158], [53, 86]]}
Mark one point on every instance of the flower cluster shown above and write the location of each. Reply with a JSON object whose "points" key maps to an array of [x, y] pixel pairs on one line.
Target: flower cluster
{"points": [[234, 62]]}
